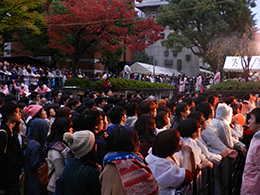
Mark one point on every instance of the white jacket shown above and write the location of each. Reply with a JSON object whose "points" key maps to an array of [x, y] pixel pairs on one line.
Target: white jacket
{"points": [[56, 161], [237, 132], [166, 172], [159, 130], [222, 124], [211, 139], [196, 149], [214, 158]]}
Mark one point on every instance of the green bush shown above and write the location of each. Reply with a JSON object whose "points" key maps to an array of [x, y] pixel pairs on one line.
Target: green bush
{"points": [[79, 82], [128, 83], [236, 85]]}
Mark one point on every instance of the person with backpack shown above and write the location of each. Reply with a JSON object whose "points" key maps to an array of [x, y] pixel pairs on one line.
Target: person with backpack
{"points": [[35, 157], [11, 155], [57, 150]]}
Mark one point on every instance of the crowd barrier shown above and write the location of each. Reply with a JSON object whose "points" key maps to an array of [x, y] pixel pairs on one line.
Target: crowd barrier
{"points": [[224, 179]]}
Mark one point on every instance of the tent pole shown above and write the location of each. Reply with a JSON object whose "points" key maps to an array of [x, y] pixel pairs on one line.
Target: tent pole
{"points": [[153, 64]]}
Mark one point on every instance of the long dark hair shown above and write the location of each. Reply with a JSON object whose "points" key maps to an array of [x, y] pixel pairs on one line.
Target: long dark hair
{"points": [[58, 128], [122, 140], [161, 119], [144, 127], [89, 119], [63, 112]]}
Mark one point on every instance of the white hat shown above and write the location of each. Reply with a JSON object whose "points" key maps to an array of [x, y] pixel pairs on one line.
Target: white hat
{"points": [[80, 142], [151, 97]]}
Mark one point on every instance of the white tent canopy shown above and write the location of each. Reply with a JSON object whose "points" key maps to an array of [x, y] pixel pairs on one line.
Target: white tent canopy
{"points": [[206, 71], [233, 63], [143, 68]]}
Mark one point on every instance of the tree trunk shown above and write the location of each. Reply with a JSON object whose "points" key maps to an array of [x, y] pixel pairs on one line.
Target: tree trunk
{"points": [[74, 67], [246, 74]]}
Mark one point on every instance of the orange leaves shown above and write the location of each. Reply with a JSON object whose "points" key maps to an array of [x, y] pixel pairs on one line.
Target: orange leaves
{"points": [[100, 24]]}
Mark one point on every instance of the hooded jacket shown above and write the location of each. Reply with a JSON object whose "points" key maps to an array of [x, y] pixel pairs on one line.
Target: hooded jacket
{"points": [[214, 158], [34, 156], [222, 124], [211, 139], [251, 175], [130, 121]]}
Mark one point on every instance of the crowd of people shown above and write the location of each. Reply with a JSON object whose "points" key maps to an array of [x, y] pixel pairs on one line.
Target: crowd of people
{"points": [[185, 84], [31, 77], [117, 144]]}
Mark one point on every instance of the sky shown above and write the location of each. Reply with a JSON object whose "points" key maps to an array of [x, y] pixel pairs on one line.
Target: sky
{"points": [[256, 11]]}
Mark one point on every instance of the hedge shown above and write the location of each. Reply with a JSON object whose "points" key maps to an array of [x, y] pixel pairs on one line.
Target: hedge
{"points": [[128, 83], [236, 85], [79, 82]]}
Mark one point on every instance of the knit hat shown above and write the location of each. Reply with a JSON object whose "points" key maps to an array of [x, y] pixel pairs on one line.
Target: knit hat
{"points": [[32, 110], [80, 142]]}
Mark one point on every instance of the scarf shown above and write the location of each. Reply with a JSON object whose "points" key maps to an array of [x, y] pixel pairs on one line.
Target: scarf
{"points": [[136, 177]]}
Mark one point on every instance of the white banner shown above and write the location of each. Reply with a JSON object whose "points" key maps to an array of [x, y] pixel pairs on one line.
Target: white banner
{"points": [[234, 63]]}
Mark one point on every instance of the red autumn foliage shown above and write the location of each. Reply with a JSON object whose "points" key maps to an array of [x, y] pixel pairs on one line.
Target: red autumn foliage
{"points": [[99, 24]]}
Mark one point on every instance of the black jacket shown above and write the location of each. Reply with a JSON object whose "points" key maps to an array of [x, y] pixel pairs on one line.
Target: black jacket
{"points": [[11, 162]]}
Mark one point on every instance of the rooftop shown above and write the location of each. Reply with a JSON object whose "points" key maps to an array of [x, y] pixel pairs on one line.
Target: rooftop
{"points": [[151, 3]]}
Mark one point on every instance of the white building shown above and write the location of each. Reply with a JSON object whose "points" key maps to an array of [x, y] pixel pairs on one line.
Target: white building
{"points": [[184, 61]]}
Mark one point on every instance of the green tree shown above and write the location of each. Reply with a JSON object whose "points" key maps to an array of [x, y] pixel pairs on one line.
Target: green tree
{"points": [[16, 15], [37, 44], [197, 22], [89, 26], [143, 57], [110, 58]]}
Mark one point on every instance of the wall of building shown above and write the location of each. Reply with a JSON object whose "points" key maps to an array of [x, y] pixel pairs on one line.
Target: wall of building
{"points": [[184, 61]]}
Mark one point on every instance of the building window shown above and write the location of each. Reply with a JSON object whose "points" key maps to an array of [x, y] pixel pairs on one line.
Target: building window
{"points": [[163, 35], [153, 14], [166, 53], [168, 62], [188, 57], [179, 64], [174, 53]]}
